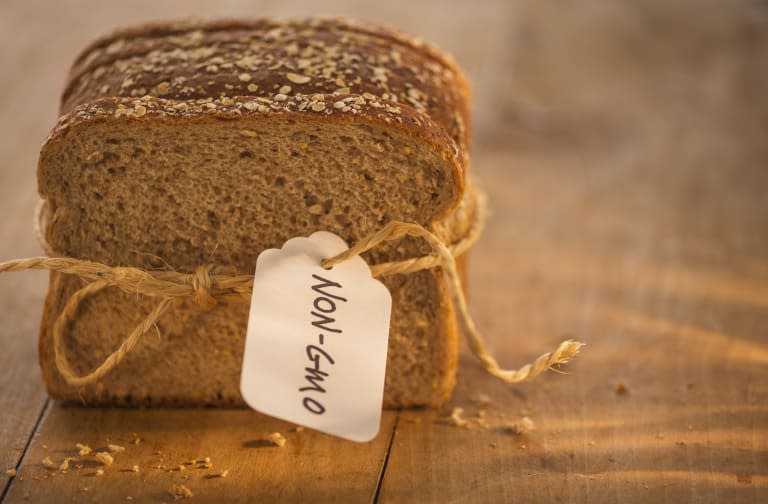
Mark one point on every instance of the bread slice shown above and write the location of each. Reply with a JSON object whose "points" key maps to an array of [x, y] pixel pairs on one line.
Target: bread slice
{"points": [[193, 143]]}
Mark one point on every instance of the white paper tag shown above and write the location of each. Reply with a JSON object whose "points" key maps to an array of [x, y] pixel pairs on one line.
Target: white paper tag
{"points": [[316, 346]]}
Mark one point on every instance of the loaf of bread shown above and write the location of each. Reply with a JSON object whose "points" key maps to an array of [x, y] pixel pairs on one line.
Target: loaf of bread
{"points": [[181, 144]]}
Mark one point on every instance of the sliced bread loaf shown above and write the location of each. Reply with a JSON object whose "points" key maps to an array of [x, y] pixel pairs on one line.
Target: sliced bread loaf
{"points": [[194, 143]]}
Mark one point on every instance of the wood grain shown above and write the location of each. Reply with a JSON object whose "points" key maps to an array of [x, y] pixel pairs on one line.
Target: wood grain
{"points": [[310, 467], [623, 149], [679, 324]]}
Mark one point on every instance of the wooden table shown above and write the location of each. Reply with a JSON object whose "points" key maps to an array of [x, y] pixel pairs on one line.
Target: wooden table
{"points": [[624, 151]]}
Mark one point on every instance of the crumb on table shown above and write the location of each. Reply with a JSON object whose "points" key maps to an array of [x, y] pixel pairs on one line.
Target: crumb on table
{"points": [[105, 458], [180, 492], [115, 448], [83, 449], [277, 439], [48, 463], [457, 419], [524, 426]]}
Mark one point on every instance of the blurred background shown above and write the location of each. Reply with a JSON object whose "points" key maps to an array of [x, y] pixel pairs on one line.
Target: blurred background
{"points": [[624, 146]]}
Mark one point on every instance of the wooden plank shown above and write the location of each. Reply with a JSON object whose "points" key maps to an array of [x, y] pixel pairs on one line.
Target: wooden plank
{"points": [[22, 396], [310, 467], [630, 212], [29, 90], [668, 289]]}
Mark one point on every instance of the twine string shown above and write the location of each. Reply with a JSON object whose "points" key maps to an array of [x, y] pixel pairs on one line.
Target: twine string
{"points": [[208, 285], [396, 230]]}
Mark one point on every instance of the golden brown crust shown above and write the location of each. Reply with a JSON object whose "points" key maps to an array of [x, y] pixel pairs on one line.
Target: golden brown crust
{"points": [[194, 60]]}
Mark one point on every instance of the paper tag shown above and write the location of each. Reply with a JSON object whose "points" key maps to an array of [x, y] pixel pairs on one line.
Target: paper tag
{"points": [[316, 346]]}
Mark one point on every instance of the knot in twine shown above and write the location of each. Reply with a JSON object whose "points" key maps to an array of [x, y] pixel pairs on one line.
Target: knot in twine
{"points": [[201, 284], [207, 286]]}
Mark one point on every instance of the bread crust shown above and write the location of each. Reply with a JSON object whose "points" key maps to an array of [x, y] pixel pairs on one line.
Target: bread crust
{"points": [[385, 63]]}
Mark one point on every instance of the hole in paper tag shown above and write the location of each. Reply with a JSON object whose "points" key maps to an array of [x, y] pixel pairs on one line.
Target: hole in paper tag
{"points": [[316, 346]]}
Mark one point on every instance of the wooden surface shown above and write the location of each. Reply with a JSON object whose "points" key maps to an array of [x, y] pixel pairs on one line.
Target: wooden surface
{"points": [[624, 152]]}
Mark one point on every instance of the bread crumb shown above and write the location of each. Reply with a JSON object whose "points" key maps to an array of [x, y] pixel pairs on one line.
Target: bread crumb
{"points": [[134, 468], [136, 439], [222, 474], [621, 388], [65, 464], [11, 472], [483, 399], [481, 419], [82, 449], [128, 498], [99, 472], [524, 426], [203, 463], [115, 448], [180, 492], [456, 418], [248, 133], [105, 458], [299, 428], [277, 439], [48, 463]]}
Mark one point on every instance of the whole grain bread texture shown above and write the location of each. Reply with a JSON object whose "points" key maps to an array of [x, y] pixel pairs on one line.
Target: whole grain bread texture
{"points": [[187, 143]]}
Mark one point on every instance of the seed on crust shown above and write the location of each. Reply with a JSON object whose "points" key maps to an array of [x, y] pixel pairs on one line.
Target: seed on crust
{"points": [[297, 78]]}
